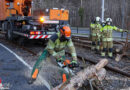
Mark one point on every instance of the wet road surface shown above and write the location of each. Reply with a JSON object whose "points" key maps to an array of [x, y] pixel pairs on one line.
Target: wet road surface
{"points": [[13, 73]]}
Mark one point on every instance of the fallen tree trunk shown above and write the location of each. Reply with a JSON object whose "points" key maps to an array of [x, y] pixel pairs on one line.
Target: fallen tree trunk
{"points": [[107, 66], [117, 48], [118, 57], [88, 73]]}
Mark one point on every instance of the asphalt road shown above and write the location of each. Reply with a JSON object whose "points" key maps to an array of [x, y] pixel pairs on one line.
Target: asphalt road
{"points": [[87, 31], [13, 73]]}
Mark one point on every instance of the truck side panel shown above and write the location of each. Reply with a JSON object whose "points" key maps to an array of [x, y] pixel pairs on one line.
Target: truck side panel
{"points": [[17, 4], [3, 7], [59, 14]]}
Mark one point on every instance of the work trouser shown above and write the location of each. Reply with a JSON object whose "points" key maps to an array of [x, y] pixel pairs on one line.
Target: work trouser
{"points": [[38, 65], [95, 43], [107, 48]]}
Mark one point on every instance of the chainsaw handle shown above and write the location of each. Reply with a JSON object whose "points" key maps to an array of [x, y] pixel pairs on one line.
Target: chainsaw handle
{"points": [[71, 66]]}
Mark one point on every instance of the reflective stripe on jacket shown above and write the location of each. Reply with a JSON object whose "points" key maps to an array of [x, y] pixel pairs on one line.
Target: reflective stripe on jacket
{"points": [[95, 29], [107, 32], [57, 48]]}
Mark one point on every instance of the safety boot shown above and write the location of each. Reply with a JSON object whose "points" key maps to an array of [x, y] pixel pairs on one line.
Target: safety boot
{"points": [[31, 81], [110, 55], [92, 48], [33, 76], [103, 54], [97, 51]]}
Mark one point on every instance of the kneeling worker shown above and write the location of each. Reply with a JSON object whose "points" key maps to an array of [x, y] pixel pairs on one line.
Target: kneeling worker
{"points": [[56, 47]]}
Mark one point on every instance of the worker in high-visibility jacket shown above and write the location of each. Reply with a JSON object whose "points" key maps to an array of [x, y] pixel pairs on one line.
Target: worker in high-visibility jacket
{"points": [[103, 23], [107, 39], [56, 48], [95, 34]]}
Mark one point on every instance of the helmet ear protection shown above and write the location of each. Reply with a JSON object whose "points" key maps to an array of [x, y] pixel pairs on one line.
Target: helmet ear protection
{"points": [[65, 32], [62, 30]]}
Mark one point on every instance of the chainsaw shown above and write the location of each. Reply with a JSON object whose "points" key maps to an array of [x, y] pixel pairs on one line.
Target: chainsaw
{"points": [[69, 69]]}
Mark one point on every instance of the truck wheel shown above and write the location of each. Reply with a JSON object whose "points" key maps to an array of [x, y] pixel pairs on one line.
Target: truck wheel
{"points": [[10, 32]]}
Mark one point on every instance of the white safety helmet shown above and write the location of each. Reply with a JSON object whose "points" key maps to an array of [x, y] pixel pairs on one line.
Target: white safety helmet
{"points": [[108, 20], [98, 19]]}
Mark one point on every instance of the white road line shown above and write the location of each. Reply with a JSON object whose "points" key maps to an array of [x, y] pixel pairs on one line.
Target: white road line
{"points": [[26, 64], [19, 58]]}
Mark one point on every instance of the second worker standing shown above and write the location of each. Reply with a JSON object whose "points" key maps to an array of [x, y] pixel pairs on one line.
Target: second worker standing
{"points": [[101, 36]]}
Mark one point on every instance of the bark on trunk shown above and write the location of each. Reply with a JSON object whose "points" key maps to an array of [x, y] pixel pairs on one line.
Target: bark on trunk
{"points": [[90, 72]]}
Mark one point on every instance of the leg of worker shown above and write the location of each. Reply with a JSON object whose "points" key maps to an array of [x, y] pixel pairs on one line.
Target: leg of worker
{"points": [[97, 43], [103, 53], [101, 45], [38, 64], [65, 75], [97, 50], [110, 48], [93, 46]]}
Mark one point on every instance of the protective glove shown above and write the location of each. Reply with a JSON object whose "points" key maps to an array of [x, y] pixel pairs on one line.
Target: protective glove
{"points": [[73, 64], [125, 30], [31, 81], [60, 59]]}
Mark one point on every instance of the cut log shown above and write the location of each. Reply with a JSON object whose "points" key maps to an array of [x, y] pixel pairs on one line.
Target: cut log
{"points": [[118, 48], [118, 57], [109, 67], [88, 73]]}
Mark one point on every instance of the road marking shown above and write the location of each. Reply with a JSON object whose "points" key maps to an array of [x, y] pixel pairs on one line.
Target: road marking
{"points": [[19, 58], [26, 64]]}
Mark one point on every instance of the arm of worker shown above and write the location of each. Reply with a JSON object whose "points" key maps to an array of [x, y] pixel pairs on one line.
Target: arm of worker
{"points": [[101, 29], [119, 30], [91, 26], [125, 30], [72, 49], [50, 49]]}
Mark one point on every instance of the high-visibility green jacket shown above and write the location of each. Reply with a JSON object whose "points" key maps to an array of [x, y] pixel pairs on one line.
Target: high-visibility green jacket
{"points": [[95, 29], [107, 32], [57, 48]]}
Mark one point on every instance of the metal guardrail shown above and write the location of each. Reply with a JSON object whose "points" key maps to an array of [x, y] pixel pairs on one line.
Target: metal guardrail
{"points": [[87, 35]]}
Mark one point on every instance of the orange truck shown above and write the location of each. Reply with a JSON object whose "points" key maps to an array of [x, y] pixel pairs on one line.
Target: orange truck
{"points": [[14, 7], [18, 22]]}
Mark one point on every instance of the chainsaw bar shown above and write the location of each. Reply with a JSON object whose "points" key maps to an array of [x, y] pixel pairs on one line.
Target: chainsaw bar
{"points": [[66, 68]]}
